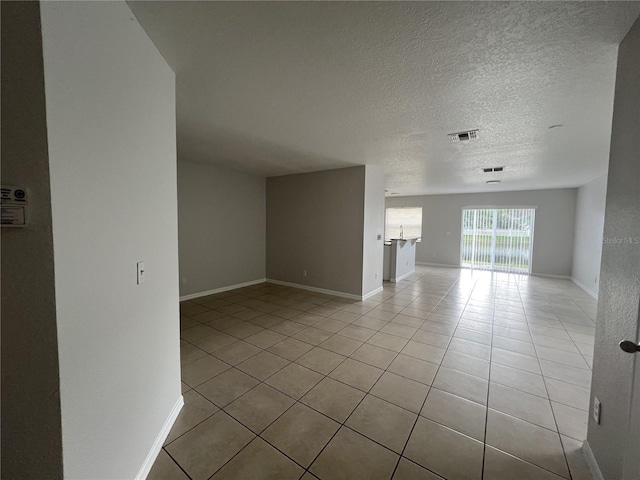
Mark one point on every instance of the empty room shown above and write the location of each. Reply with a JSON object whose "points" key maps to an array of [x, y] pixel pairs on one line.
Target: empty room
{"points": [[320, 240]]}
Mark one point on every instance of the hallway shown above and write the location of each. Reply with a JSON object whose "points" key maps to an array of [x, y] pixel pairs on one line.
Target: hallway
{"points": [[450, 373]]}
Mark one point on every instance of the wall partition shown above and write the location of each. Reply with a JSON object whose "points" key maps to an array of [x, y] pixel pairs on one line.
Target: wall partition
{"points": [[498, 239]]}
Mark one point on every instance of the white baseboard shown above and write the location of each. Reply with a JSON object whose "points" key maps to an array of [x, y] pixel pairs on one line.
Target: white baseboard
{"points": [[160, 439], [372, 293], [222, 289], [584, 287], [549, 275], [401, 277], [591, 461], [316, 289], [445, 265]]}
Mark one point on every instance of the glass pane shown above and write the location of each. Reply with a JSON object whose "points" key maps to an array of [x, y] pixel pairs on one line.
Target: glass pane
{"points": [[497, 239], [409, 218]]}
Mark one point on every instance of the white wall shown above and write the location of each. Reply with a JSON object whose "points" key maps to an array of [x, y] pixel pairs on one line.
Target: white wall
{"points": [[373, 226], [614, 441], [403, 259], [587, 243], [31, 430], [442, 222], [315, 224], [110, 100], [222, 227]]}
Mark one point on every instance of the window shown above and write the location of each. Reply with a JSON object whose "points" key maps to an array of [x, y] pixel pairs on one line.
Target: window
{"points": [[497, 239], [409, 218]]}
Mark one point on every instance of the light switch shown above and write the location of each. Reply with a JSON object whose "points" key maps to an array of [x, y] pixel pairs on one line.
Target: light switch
{"points": [[140, 272]]}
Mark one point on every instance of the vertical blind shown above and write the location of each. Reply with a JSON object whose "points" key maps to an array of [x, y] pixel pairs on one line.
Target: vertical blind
{"points": [[497, 239]]}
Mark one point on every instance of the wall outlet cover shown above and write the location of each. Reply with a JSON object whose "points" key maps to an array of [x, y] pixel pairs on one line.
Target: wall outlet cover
{"points": [[140, 267]]}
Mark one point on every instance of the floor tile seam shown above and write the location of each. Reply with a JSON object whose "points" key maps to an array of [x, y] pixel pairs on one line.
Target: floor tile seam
{"points": [[164, 445], [588, 369], [273, 374], [496, 382], [570, 406], [550, 405], [575, 344], [527, 421], [243, 360], [259, 435], [509, 338], [176, 462], [266, 378], [531, 463], [540, 358], [576, 352], [235, 454], [486, 418], [193, 387], [357, 340], [417, 464], [343, 423], [194, 345], [429, 390], [566, 381]]}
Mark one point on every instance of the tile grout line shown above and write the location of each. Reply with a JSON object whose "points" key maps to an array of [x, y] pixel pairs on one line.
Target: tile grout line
{"points": [[176, 462], [415, 296], [486, 413], [430, 386], [343, 424], [549, 397]]}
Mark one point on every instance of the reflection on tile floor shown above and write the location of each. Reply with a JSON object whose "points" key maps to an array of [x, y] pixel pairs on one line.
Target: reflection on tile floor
{"points": [[449, 374]]}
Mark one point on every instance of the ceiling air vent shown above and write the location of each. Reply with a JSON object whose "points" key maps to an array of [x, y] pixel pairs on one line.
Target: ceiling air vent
{"points": [[493, 169], [464, 136]]}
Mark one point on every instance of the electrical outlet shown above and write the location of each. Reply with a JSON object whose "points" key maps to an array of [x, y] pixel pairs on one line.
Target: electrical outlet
{"points": [[140, 266], [597, 408], [376, 275], [304, 273]]}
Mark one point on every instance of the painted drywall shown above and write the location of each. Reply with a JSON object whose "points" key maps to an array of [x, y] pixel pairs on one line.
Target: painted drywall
{"points": [[373, 227], [403, 257], [110, 100], [315, 224], [221, 227], [31, 429], [587, 243], [619, 292], [442, 223]]}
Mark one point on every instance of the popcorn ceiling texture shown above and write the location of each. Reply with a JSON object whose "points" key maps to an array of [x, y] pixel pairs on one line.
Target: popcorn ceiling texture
{"points": [[288, 87]]}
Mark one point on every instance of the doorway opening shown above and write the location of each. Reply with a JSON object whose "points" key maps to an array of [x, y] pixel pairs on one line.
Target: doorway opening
{"points": [[497, 239]]}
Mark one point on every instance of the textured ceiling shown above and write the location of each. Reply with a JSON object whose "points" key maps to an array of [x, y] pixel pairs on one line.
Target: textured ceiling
{"points": [[283, 87]]}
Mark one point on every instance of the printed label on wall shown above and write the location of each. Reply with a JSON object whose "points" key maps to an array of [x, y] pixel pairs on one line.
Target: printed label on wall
{"points": [[13, 207]]}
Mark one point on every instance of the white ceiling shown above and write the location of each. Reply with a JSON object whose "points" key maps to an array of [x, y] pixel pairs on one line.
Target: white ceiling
{"points": [[274, 88]]}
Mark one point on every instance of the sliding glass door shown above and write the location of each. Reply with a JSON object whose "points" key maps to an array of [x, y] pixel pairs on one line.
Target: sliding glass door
{"points": [[499, 239]]}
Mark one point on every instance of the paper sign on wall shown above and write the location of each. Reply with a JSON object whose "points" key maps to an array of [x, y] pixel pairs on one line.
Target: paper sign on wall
{"points": [[13, 206]]}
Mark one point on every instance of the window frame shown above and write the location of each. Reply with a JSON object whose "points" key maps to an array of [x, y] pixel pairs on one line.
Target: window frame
{"points": [[387, 237]]}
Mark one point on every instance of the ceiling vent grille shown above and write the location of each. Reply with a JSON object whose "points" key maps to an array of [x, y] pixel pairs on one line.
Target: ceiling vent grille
{"points": [[463, 136], [493, 169]]}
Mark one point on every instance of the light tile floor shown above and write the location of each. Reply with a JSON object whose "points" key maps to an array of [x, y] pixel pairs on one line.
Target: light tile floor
{"points": [[454, 374]]}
